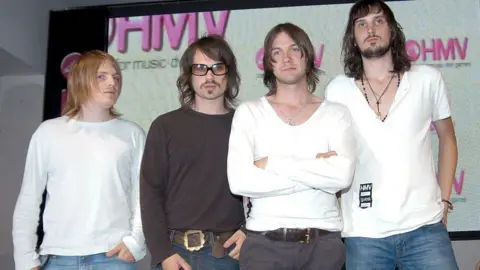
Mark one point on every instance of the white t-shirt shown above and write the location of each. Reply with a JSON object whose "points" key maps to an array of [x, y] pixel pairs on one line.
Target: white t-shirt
{"points": [[394, 189], [91, 173], [295, 190]]}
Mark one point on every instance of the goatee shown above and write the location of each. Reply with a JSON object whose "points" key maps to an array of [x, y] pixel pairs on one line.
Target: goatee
{"points": [[377, 52]]}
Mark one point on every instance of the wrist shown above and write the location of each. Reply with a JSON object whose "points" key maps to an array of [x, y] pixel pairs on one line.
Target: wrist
{"points": [[448, 204]]}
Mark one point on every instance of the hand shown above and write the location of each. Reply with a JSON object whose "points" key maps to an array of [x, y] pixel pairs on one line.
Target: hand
{"points": [[36, 268], [326, 155], [446, 210], [237, 239], [123, 252], [175, 262], [261, 163]]}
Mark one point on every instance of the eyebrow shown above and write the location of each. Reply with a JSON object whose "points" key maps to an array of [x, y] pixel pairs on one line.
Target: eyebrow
{"points": [[375, 17], [278, 48], [104, 72]]}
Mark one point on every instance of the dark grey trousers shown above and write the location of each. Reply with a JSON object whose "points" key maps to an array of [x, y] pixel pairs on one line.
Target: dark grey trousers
{"points": [[323, 253]]}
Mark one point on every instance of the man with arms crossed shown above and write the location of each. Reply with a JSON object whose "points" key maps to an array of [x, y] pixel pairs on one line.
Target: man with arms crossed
{"points": [[89, 161], [290, 152], [394, 209], [192, 221]]}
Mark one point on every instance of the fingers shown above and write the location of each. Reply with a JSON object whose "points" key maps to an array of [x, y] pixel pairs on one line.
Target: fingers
{"points": [[235, 253], [227, 243], [331, 153], [122, 252], [113, 251], [231, 240], [326, 155], [184, 264], [125, 255]]}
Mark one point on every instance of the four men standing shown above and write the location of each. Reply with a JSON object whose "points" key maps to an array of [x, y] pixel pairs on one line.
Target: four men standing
{"points": [[289, 152]]}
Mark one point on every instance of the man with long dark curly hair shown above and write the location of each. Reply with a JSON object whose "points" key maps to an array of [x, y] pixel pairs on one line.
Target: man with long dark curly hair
{"points": [[395, 212]]}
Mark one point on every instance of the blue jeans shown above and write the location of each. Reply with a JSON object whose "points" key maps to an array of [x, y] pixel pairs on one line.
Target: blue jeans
{"points": [[203, 259], [90, 262], [426, 248]]}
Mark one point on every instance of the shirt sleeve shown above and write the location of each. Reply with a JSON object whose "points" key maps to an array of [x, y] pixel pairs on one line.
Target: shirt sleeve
{"points": [[153, 185], [27, 208], [244, 177], [440, 103], [328, 174], [136, 240]]}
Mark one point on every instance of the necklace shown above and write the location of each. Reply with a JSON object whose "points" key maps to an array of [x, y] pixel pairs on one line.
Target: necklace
{"points": [[289, 120], [378, 113]]}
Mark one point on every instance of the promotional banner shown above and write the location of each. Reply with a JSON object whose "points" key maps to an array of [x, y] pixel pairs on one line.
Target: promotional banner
{"points": [[70, 33], [148, 49]]}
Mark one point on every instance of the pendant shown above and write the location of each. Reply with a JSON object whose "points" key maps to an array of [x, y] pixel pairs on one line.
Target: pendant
{"points": [[379, 115]]}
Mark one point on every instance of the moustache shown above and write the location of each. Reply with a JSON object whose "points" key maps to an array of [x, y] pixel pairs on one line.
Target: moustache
{"points": [[208, 83], [371, 36]]}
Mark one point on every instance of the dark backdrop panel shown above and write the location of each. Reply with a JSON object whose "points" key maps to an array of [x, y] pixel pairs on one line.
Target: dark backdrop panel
{"points": [[70, 32]]}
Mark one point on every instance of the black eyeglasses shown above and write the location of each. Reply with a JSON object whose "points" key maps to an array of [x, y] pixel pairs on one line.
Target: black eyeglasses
{"points": [[202, 69]]}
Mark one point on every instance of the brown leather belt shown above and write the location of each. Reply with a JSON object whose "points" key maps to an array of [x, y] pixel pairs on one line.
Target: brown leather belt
{"points": [[302, 236], [194, 240]]}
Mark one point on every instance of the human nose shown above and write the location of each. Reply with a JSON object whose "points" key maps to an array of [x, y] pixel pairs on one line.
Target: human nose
{"points": [[371, 29], [287, 57], [209, 74]]}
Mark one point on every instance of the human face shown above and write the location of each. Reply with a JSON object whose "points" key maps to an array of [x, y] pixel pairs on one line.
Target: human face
{"points": [[108, 86], [208, 86], [289, 66], [372, 35]]}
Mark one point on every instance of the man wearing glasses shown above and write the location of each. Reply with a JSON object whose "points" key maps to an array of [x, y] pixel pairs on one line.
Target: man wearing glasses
{"points": [[190, 218]]}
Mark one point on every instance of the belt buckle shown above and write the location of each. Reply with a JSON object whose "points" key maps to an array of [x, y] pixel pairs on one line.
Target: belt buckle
{"points": [[193, 240], [307, 237]]}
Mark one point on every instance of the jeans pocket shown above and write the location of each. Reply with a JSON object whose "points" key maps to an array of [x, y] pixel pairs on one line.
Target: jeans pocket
{"points": [[45, 261], [116, 258], [123, 261]]}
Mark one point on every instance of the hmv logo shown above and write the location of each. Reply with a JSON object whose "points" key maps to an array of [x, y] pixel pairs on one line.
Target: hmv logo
{"points": [[365, 195], [439, 50]]}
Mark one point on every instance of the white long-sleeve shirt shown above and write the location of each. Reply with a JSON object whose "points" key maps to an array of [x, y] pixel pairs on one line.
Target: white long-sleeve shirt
{"points": [[91, 174], [296, 190]]}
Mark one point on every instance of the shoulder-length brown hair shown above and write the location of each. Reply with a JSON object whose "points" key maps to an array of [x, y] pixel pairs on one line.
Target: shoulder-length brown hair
{"points": [[302, 40], [217, 49], [82, 80], [352, 59]]}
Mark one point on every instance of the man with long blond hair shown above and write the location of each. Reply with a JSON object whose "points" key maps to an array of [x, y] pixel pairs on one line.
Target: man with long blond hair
{"points": [[88, 160]]}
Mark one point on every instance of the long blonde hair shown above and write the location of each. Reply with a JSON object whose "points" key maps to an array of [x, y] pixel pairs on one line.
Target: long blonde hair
{"points": [[82, 80]]}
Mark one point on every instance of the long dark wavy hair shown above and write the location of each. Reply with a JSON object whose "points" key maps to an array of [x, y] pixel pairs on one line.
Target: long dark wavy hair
{"points": [[302, 40], [352, 59], [217, 49]]}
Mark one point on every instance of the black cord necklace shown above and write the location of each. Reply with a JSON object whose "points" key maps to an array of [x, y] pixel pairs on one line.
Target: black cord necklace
{"points": [[378, 113]]}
